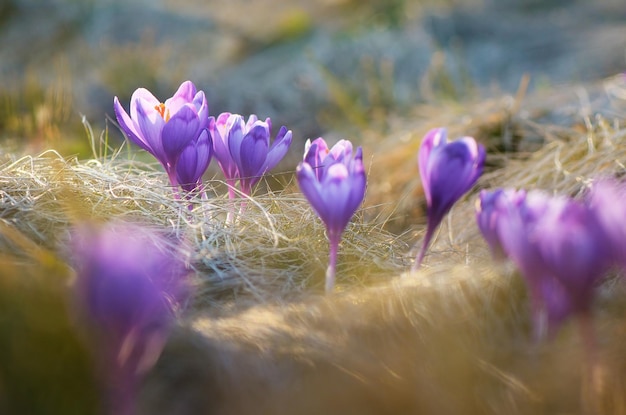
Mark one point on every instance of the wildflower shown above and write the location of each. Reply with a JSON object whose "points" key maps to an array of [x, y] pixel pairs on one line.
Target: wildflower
{"points": [[333, 181], [448, 171], [165, 129], [560, 249], [243, 150], [127, 289]]}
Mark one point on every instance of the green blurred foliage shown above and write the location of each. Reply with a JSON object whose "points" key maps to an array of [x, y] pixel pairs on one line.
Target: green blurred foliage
{"points": [[35, 115]]}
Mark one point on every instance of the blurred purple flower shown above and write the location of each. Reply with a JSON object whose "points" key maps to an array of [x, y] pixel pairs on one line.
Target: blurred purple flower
{"points": [[243, 150], [488, 207], [448, 171], [128, 287], [607, 199], [559, 247], [165, 129], [333, 181]]}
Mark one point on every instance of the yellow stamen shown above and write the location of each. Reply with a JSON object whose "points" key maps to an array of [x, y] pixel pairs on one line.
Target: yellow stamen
{"points": [[163, 111]]}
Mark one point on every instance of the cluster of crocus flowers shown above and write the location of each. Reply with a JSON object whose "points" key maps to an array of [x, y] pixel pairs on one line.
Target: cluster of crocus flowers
{"points": [[448, 170], [180, 134], [175, 132], [128, 287], [333, 181], [560, 245], [243, 149]]}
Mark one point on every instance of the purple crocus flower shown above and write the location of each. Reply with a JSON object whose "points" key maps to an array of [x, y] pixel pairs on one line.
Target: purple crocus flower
{"points": [[575, 249], [517, 227], [243, 150], [333, 181], [558, 246], [448, 171], [165, 129], [127, 290]]}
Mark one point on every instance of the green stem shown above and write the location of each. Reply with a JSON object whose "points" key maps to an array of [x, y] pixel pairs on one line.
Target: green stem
{"points": [[333, 245]]}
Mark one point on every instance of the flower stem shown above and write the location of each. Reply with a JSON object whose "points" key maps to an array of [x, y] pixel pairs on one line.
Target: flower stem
{"points": [[171, 174], [420, 256], [592, 382], [333, 245], [230, 216]]}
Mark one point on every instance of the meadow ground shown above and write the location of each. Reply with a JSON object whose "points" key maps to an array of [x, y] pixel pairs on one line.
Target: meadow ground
{"points": [[258, 333]]}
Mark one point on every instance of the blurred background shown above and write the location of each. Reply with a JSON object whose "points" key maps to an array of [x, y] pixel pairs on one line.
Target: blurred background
{"points": [[319, 67]]}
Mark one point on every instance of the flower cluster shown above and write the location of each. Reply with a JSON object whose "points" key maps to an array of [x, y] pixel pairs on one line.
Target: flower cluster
{"points": [[128, 288], [180, 134], [562, 246], [243, 150]]}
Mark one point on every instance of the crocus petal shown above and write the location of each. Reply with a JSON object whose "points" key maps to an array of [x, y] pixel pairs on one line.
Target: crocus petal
{"points": [[433, 139], [312, 190], [182, 128], [142, 97], [186, 93], [452, 172], [279, 149], [236, 133], [607, 200], [220, 147], [488, 213], [151, 131], [341, 150], [193, 162], [574, 248], [314, 156], [128, 126], [315, 152], [253, 154]]}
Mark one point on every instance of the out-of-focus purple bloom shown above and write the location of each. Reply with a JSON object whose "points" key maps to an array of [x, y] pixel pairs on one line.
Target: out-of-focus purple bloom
{"points": [[575, 249], [488, 208], [165, 129], [243, 150], [448, 170], [559, 247], [607, 199], [193, 162], [128, 288], [334, 182]]}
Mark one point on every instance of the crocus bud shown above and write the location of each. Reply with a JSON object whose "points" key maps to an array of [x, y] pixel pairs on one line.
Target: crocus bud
{"points": [[448, 170], [334, 184]]}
